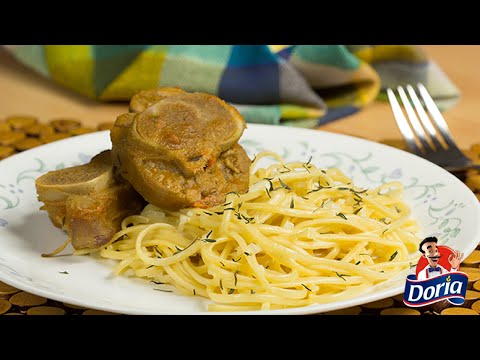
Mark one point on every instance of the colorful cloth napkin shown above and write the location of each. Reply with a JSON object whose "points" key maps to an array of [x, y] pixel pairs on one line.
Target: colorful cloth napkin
{"points": [[297, 85]]}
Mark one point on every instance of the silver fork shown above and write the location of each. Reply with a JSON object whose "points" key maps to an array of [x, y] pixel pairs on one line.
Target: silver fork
{"points": [[438, 146]]}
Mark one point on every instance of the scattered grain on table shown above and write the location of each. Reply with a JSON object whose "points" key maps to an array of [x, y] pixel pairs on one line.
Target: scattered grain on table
{"points": [[27, 143], [65, 125], [6, 289], [6, 151], [21, 122], [458, 311], [24, 299], [354, 310], [48, 138], [400, 311], [4, 306], [380, 304], [97, 312], [45, 310], [8, 138]]}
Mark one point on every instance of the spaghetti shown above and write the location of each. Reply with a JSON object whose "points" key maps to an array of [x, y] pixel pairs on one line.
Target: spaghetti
{"points": [[301, 235]]}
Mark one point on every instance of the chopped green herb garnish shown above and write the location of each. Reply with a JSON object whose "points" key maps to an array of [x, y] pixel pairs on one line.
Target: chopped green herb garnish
{"points": [[210, 240], [194, 293], [341, 276], [239, 206], [247, 219], [162, 290], [309, 161], [304, 197], [254, 157], [270, 182], [358, 262], [323, 171], [179, 250], [284, 185], [63, 272], [227, 203], [157, 251], [231, 291], [394, 255], [219, 212], [252, 292], [246, 253], [268, 193], [342, 215], [222, 264], [384, 231], [235, 276], [148, 267], [315, 190], [343, 188], [157, 282], [306, 287], [209, 233], [292, 204], [237, 259], [208, 213], [283, 172], [221, 285], [398, 210], [357, 211], [230, 208]]}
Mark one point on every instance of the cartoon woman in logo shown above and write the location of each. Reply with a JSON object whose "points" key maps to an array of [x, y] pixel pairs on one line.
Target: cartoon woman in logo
{"points": [[436, 259]]}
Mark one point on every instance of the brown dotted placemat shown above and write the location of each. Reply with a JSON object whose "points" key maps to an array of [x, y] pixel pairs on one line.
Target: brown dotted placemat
{"points": [[19, 133]]}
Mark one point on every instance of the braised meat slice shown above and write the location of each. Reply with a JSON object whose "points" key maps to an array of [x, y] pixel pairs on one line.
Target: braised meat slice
{"points": [[92, 220], [87, 202], [146, 98], [181, 151]]}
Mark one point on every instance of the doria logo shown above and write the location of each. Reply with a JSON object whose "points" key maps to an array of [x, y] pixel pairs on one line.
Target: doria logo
{"points": [[437, 276]]}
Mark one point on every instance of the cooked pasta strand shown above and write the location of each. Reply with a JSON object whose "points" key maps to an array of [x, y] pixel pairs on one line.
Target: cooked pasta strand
{"points": [[301, 235]]}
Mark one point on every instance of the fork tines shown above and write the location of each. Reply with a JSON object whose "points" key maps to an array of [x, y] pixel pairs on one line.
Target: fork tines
{"points": [[414, 130]]}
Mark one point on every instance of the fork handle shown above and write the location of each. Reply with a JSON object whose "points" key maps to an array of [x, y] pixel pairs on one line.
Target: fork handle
{"points": [[462, 168]]}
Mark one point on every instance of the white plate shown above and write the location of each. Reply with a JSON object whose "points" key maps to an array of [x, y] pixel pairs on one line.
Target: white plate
{"points": [[442, 204]]}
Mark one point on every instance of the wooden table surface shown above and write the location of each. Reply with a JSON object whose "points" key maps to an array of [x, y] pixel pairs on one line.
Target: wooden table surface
{"points": [[24, 92]]}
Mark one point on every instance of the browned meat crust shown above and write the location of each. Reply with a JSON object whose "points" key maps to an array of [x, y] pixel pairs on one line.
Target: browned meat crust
{"points": [[181, 150]]}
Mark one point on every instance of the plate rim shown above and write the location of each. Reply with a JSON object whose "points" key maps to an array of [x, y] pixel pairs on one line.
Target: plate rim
{"points": [[310, 309]]}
